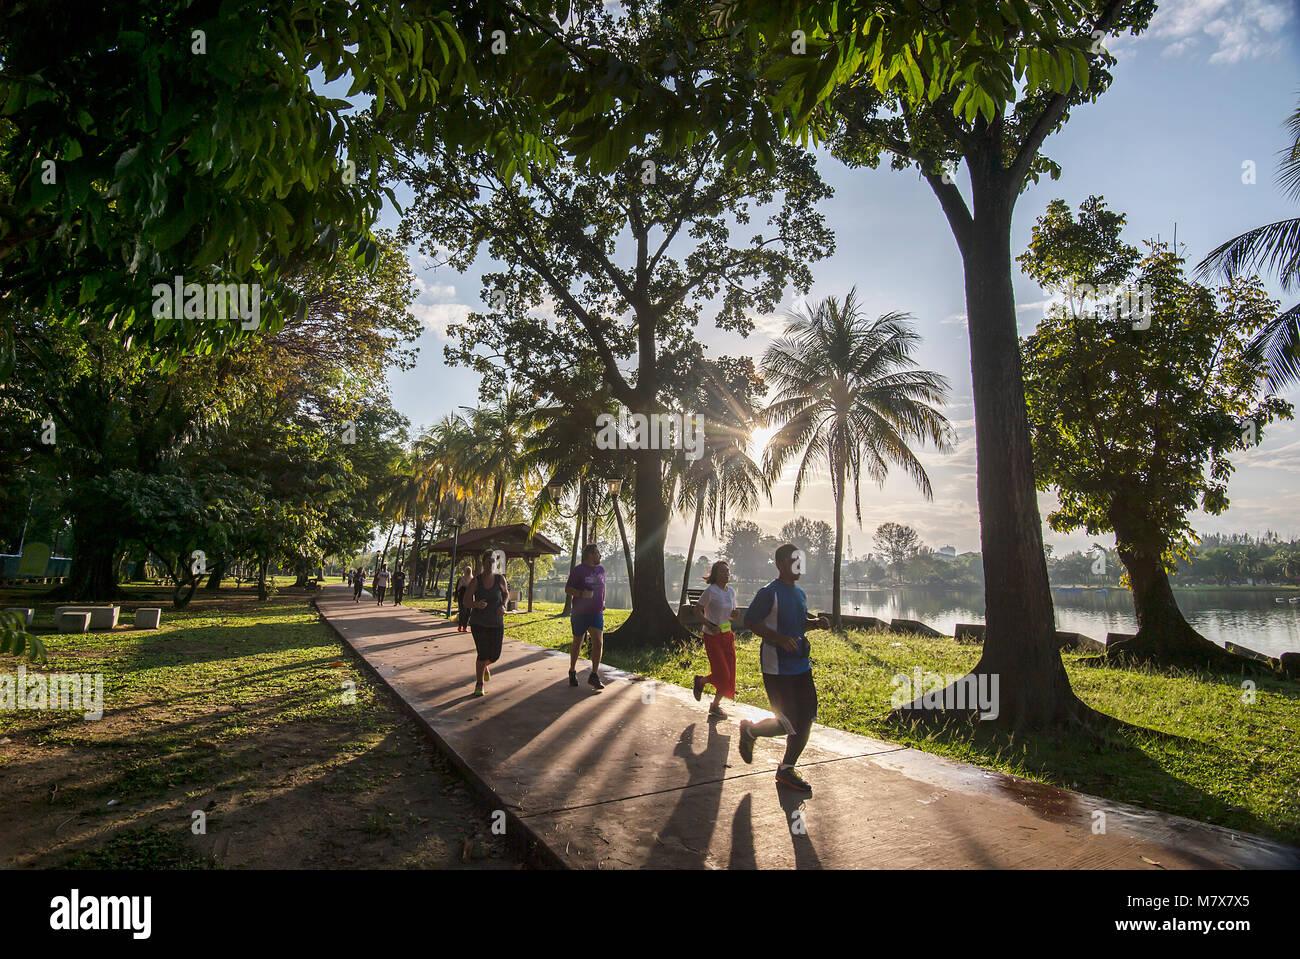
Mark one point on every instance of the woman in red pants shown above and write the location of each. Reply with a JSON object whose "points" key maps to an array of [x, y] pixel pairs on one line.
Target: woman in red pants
{"points": [[716, 606]]}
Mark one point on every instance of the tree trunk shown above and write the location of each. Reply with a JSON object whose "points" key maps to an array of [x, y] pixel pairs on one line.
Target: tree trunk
{"points": [[1020, 651], [216, 576], [573, 557], [496, 495], [401, 541], [690, 552], [93, 575], [262, 592], [839, 547], [652, 621], [302, 572], [1164, 637], [183, 591]]}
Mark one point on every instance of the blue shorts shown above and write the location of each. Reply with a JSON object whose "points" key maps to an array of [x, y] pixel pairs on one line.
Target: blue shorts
{"points": [[585, 621]]}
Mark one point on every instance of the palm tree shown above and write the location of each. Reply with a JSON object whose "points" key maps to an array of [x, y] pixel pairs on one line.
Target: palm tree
{"points": [[1274, 246], [499, 430], [725, 477], [441, 480], [562, 444], [849, 397]]}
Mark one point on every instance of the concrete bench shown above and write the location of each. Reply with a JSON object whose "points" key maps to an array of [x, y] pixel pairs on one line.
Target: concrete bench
{"points": [[101, 617], [72, 622], [148, 618], [914, 626], [27, 614]]}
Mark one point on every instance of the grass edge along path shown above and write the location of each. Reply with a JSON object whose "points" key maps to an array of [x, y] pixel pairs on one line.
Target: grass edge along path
{"points": [[1203, 746]]}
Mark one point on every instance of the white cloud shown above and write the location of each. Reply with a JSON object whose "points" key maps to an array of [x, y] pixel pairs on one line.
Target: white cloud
{"points": [[437, 316], [1231, 30], [436, 292]]}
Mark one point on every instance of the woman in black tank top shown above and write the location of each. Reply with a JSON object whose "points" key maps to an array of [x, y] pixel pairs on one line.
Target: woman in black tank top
{"points": [[487, 594]]}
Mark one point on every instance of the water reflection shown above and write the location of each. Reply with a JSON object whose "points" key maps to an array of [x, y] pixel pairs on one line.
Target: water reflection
{"points": [[1249, 617]]}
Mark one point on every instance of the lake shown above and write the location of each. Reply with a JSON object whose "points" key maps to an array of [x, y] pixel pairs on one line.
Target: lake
{"points": [[1249, 617]]}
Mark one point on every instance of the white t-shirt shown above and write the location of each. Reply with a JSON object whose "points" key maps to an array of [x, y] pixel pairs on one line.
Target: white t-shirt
{"points": [[717, 604]]}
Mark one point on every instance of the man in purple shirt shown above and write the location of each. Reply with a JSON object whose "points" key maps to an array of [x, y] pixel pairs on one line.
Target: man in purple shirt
{"points": [[587, 587]]}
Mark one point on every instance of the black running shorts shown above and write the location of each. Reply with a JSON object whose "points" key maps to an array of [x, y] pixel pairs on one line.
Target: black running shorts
{"points": [[793, 699], [487, 640]]}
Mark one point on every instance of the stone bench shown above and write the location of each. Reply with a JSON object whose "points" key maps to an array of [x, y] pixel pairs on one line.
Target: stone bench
{"points": [[72, 622], [148, 618], [1249, 653], [914, 626], [862, 622], [101, 617], [27, 614], [974, 633]]}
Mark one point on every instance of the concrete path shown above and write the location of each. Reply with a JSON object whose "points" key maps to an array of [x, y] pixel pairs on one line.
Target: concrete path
{"points": [[636, 776]]}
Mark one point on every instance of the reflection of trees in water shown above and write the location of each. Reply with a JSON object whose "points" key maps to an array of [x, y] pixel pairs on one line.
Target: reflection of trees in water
{"points": [[1248, 617]]}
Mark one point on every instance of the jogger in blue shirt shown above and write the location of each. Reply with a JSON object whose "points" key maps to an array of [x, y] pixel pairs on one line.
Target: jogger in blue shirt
{"points": [[779, 616]]}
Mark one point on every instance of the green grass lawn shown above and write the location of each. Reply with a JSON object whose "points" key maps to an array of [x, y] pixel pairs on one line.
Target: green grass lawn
{"points": [[1199, 750], [249, 712]]}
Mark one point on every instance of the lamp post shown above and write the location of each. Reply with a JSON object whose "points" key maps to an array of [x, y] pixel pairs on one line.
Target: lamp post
{"points": [[456, 524], [615, 487]]}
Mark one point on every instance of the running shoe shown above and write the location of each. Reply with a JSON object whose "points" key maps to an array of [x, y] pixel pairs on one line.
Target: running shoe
{"points": [[487, 674], [699, 688], [715, 711], [746, 744], [478, 691], [786, 776], [573, 677], [594, 681]]}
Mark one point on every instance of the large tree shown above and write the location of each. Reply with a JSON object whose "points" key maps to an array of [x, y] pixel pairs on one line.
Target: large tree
{"points": [[153, 138], [982, 84], [627, 260], [897, 543], [86, 407], [1135, 412]]}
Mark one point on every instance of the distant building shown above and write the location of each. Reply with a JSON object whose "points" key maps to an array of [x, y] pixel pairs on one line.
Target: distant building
{"points": [[948, 553]]}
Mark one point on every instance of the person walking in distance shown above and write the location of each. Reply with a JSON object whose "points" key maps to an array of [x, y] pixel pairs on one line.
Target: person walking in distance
{"points": [[358, 584], [462, 602], [381, 583], [717, 606], [487, 595], [779, 616], [587, 587], [399, 583]]}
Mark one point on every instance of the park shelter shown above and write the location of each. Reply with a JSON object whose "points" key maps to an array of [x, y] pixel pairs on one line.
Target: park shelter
{"points": [[515, 540]]}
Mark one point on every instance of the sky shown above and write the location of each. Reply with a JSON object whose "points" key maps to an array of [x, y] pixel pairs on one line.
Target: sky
{"points": [[1199, 97]]}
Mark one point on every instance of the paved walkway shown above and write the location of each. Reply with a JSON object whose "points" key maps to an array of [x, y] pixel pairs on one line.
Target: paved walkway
{"points": [[636, 776]]}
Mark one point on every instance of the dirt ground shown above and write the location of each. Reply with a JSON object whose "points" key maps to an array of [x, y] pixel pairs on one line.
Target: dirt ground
{"points": [[209, 772]]}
